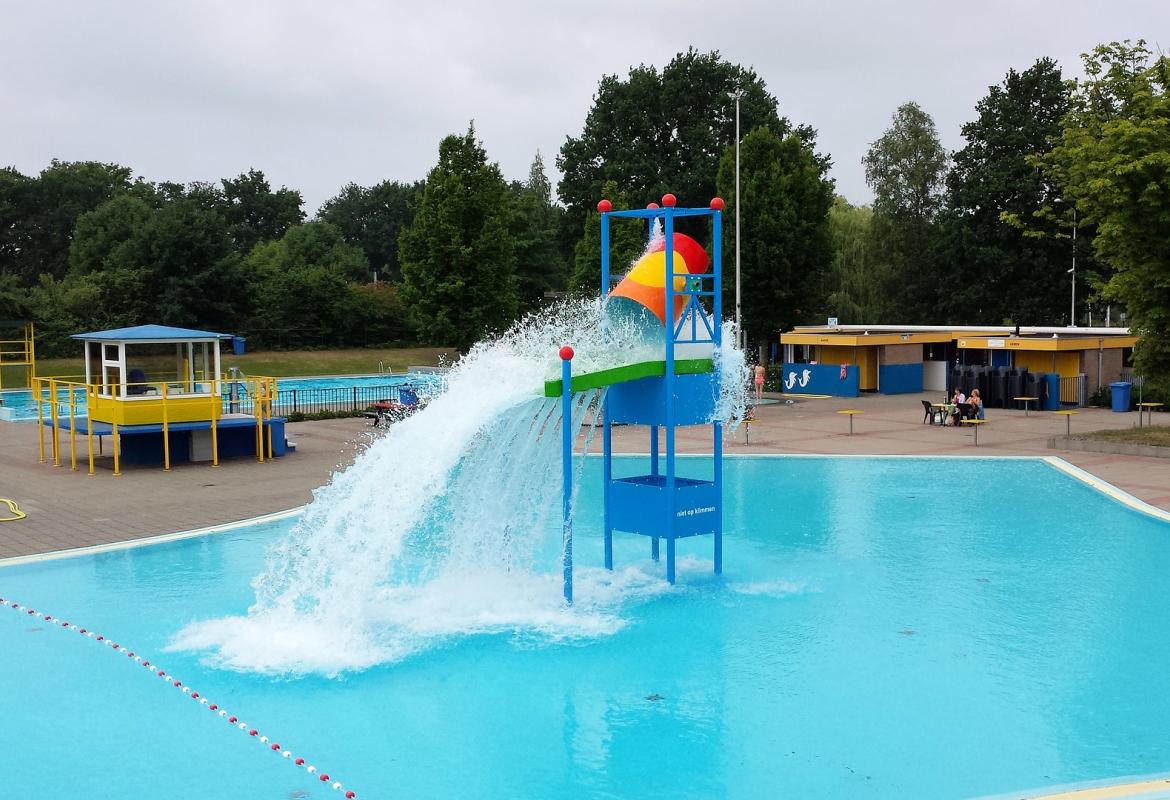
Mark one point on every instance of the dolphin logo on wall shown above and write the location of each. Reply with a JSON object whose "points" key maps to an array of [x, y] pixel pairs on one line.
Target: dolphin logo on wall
{"points": [[805, 376]]}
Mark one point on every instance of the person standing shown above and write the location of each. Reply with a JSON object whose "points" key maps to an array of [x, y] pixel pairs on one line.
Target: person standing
{"points": [[759, 381]]}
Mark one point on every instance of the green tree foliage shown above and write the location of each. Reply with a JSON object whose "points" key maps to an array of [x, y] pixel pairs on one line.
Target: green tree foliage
{"points": [[42, 212], [372, 218], [303, 285], [255, 212], [854, 283], [785, 247], [14, 189], [906, 169], [1113, 161], [169, 261], [1007, 273], [540, 267], [657, 132], [627, 240], [458, 261]]}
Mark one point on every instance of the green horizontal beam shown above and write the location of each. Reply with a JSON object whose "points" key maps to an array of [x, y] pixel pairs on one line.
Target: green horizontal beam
{"points": [[630, 372]]}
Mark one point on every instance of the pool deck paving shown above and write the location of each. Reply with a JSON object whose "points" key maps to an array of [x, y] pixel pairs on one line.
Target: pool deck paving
{"points": [[68, 509]]}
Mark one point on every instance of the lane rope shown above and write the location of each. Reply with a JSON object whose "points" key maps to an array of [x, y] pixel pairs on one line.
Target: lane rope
{"points": [[16, 512], [232, 719]]}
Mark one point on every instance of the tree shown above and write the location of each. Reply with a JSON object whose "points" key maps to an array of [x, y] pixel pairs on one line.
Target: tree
{"points": [[48, 208], [1112, 161], [255, 212], [906, 169], [302, 285], [540, 267], [654, 132], [854, 285], [14, 189], [1021, 272], [372, 218], [458, 264], [169, 261], [785, 244], [627, 241]]}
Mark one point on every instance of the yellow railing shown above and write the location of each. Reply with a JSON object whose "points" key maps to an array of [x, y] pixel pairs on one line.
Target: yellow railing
{"points": [[20, 352], [104, 403]]}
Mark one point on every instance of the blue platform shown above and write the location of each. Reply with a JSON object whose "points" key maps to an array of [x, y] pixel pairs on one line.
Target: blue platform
{"points": [[143, 444]]}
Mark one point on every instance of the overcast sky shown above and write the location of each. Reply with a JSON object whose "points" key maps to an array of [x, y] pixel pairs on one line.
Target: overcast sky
{"points": [[317, 94]]}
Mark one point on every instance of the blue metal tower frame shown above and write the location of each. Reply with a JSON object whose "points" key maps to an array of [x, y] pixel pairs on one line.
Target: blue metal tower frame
{"points": [[661, 504]]}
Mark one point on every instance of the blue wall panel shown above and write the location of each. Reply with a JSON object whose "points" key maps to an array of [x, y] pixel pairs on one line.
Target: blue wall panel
{"points": [[900, 378], [821, 379]]}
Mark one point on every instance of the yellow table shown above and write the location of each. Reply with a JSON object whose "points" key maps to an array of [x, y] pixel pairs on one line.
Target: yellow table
{"points": [[976, 422], [851, 412], [1149, 409], [1067, 420], [1025, 401], [943, 410]]}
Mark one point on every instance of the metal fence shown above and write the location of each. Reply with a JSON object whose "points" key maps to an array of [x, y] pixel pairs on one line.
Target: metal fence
{"points": [[1072, 390], [316, 400]]}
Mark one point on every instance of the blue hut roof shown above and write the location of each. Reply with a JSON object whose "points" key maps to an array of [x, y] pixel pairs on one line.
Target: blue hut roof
{"points": [[151, 333]]}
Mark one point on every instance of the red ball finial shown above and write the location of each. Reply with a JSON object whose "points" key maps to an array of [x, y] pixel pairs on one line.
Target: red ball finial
{"points": [[604, 206], [566, 353], [717, 203], [669, 200], [651, 205]]}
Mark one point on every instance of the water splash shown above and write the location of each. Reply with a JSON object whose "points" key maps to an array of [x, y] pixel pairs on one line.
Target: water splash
{"points": [[441, 527]]}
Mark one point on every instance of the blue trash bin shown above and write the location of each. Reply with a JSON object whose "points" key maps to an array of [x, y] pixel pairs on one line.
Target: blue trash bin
{"points": [[1120, 391], [238, 345]]}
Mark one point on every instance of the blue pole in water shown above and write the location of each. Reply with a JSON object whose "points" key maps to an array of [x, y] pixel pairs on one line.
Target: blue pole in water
{"points": [[717, 427], [668, 313], [567, 462]]}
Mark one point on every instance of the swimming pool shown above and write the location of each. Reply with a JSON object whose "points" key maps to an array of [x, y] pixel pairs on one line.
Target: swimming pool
{"points": [[885, 628], [312, 394]]}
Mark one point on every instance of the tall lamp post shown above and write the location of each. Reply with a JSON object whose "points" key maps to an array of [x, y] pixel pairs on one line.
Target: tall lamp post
{"points": [[1072, 313], [737, 95]]}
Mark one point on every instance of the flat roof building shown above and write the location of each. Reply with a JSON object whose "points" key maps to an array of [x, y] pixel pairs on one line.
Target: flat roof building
{"points": [[845, 360]]}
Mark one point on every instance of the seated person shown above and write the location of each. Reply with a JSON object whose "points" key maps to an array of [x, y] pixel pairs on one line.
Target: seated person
{"points": [[957, 399], [976, 403], [136, 382]]}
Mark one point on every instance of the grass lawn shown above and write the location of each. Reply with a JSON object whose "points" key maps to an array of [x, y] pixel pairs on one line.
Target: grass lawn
{"points": [[1156, 435], [293, 363]]}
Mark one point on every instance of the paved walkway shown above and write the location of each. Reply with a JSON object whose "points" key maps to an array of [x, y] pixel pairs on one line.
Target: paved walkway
{"points": [[71, 509]]}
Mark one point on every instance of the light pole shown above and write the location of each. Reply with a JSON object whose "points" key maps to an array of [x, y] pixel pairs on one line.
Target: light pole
{"points": [[1072, 314], [737, 95]]}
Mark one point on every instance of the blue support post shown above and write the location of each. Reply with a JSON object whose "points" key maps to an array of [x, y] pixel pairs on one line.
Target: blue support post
{"points": [[668, 332], [654, 471], [606, 430], [567, 470], [717, 335]]}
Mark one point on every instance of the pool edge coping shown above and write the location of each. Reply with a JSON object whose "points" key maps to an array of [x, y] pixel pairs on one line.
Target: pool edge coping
{"points": [[1106, 488], [162, 538]]}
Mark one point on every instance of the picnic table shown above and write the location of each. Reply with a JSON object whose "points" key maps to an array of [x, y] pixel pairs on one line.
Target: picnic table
{"points": [[852, 412], [1025, 401]]}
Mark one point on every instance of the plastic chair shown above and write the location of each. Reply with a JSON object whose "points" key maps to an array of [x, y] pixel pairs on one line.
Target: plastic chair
{"points": [[931, 414]]}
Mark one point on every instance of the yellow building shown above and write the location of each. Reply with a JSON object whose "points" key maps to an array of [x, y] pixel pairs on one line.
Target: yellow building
{"points": [[894, 359]]}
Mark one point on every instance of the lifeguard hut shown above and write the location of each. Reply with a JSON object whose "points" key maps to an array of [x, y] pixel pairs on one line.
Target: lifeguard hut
{"points": [[684, 304], [159, 393]]}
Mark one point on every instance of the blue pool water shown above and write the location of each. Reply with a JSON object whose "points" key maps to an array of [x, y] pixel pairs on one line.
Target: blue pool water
{"points": [[885, 628], [19, 404]]}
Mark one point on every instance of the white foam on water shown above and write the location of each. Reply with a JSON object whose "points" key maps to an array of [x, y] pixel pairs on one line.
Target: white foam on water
{"points": [[440, 528]]}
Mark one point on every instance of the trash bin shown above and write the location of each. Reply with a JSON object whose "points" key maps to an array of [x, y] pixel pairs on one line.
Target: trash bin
{"points": [[1052, 401], [1120, 392], [238, 345]]}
